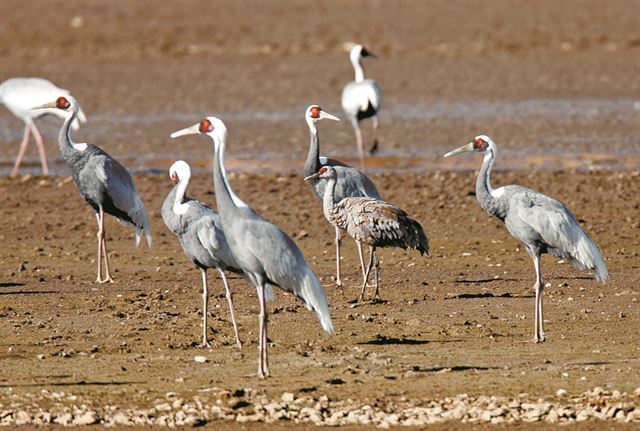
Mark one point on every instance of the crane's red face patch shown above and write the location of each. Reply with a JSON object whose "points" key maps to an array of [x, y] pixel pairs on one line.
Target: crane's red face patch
{"points": [[206, 126], [323, 170], [62, 103], [480, 144], [315, 112], [174, 178]]}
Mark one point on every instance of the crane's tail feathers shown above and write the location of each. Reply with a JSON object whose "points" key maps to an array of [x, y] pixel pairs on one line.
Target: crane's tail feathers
{"points": [[138, 215], [312, 293], [268, 292], [587, 255]]}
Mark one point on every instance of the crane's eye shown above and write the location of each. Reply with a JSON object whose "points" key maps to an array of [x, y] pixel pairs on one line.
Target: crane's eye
{"points": [[479, 144], [315, 112], [205, 126], [62, 103], [323, 170]]}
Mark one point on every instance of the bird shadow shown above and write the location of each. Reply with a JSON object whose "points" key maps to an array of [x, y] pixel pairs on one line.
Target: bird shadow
{"points": [[27, 292], [78, 383], [484, 280], [456, 368], [487, 295], [384, 341], [11, 284]]}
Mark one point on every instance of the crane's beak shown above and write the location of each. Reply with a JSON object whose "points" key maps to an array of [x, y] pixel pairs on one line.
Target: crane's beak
{"points": [[191, 130], [463, 149], [311, 177], [328, 116], [46, 106]]}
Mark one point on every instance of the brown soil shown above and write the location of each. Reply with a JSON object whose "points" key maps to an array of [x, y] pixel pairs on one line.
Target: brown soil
{"points": [[458, 321]]}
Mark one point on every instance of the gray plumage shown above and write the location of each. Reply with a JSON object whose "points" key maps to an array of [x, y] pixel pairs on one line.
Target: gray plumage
{"points": [[350, 182], [371, 221], [264, 252], [19, 95], [199, 230], [361, 99], [103, 182], [542, 224]]}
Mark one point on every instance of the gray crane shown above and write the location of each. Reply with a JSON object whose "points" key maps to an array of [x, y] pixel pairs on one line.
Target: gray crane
{"points": [[19, 95], [103, 182], [200, 232], [361, 99], [350, 181], [541, 223], [264, 252], [370, 221]]}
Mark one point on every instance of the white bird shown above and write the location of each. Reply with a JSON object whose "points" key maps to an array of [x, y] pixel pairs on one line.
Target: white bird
{"points": [[104, 183], [361, 99], [541, 223], [199, 229], [265, 253], [19, 95], [350, 181]]}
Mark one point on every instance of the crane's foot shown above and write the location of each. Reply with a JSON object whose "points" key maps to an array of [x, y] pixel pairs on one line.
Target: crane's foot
{"points": [[539, 339], [374, 147], [107, 279], [339, 283], [205, 344], [238, 345], [263, 374]]}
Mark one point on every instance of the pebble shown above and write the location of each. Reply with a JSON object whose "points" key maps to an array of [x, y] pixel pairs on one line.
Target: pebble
{"points": [[200, 359], [88, 418]]}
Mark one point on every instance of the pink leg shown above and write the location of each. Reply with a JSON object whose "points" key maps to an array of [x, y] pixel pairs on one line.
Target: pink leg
{"points": [[23, 149], [376, 124], [107, 276], [40, 145], [338, 240], [231, 308], [263, 359], [99, 235], [360, 145]]}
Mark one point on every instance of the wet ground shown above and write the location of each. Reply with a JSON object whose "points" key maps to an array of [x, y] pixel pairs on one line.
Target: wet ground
{"points": [[556, 86]]}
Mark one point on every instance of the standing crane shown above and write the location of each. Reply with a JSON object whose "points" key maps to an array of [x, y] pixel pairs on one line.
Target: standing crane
{"points": [[19, 95], [103, 182], [541, 223], [200, 232], [370, 221], [264, 252], [361, 99], [349, 182]]}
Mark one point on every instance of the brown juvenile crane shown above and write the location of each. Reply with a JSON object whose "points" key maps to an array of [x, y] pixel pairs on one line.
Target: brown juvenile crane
{"points": [[370, 221]]}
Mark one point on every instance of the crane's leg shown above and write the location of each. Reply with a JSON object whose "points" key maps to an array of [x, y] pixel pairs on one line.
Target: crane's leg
{"points": [[360, 144], [361, 255], [366, 275], [231, 307], [23, 149], [376, 124], [263, 359], [338, 240], [99, 235], [377, 269], [205, 308], [538, 335], [102, 250], [40, 145]]}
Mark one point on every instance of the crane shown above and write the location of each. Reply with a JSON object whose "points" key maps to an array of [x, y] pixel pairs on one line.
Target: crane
{"points": [[103, 182], [264, 252], [361, 99], [370, 221], [542, 224], [19, 95], [200, 232], [350, 181]]}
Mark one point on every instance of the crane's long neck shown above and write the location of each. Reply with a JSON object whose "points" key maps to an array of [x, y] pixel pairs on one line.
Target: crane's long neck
{"points": [[228, 202], [312, 165], [64, 137], [357, 67], [181, 189], [483, 185], [328, 203]]}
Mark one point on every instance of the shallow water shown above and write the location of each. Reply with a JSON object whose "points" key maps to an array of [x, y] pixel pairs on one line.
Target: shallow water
{"points": [[609, 150]]}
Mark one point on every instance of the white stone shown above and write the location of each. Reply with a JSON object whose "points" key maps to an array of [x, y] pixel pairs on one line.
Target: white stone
{"points": [[87, 418]]}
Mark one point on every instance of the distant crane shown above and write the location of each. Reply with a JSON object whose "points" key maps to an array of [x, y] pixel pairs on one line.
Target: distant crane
{"points": [[370, 221], [361, 99], [103, 182], [541, 223], [19, 95], [264, 252], [199, 229], [349, 182]]}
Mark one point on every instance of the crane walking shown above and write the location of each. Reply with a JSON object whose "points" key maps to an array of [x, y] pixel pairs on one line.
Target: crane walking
{"points": [[264, 252], [370, 221], [200, 232], [361, 99], [541, 223], [349, 182], [103, 182], [19, 95]]}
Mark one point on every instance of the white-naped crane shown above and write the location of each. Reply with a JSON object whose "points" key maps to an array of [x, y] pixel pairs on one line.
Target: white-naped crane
{"points": [[350, 182], [542, 224], [370, 221], [264, 252], [199, 230], [361, 99], [19, 95], [103, 182]]}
